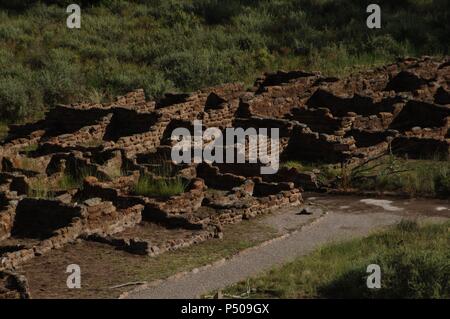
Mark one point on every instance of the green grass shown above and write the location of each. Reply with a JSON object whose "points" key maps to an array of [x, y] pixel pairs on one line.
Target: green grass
{"points": [[40, 188], [159, 187], [425, 177], [30, 164], [43, 188], [114, 172], [413, 177], [30, 148], [327, 172], [75, 180], [69, 182], [175, 45], [92, 143], [414, 261]]}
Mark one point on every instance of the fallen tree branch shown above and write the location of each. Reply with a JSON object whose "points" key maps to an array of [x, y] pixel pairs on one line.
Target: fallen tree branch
{"points": [[135, 283]]}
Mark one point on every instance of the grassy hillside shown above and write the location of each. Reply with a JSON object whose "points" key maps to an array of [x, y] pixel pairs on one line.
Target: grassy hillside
{"points": [[175, 45]]}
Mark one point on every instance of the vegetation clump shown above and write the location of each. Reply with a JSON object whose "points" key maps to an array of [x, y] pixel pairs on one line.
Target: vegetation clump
{"points": [[159, 186]]}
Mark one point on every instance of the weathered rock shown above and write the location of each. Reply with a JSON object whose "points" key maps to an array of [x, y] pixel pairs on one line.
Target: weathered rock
{"points": [[13, 286]]}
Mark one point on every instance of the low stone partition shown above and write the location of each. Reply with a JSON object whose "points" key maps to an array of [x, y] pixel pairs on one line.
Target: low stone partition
{"points": [[367, 138], [14, 182], [39, 218], [421, 114], [92, 188], [435, 133], [215, 179], [256, 206], [442, 96], [419, 148], [263, 189], [56, 224], [321, 120], [77, 164], [59, 238], [86, 137], [178, 211], [101, 217], [307, 145], [284, 126], [13, 146], [119, 124], [304, 180], [117, 191], [190, 210], [378, 122], [13, 286], [7, 214], [142, 246], [275, 94], [359, 104]]}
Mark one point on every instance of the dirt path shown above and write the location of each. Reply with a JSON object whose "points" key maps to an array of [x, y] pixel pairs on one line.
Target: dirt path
{"points": [[349, 217]]}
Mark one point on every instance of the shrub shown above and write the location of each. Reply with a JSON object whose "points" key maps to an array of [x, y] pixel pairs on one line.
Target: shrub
{"points": [[13, 98], [193, 69], [406, 273], [410, 273], [215, 12], [61, 78], [113, 76]]}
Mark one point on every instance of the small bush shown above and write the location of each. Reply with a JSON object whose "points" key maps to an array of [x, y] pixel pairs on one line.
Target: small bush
{"points": [[406, 273], [13, 97], [215, 12], [410, 273], [60, 78]]}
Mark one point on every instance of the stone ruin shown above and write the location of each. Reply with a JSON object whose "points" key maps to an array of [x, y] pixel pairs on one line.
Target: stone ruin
{"points": [[402, 107]]}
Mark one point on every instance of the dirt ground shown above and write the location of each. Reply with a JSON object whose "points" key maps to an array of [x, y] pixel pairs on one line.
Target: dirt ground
{"points": [[102, 266]]}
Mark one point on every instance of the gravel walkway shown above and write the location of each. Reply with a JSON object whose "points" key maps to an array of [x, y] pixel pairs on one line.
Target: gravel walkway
{"points": [[350, 217]]}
